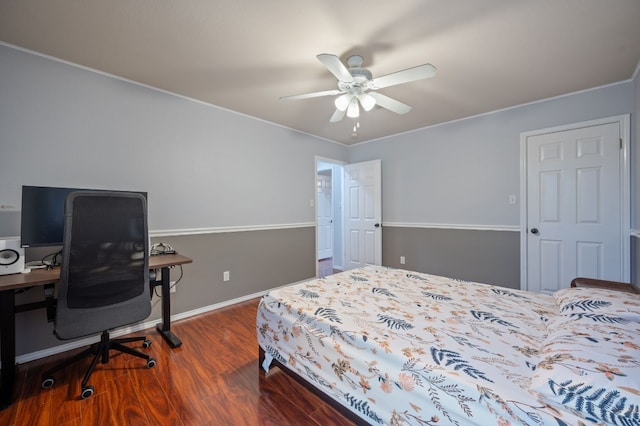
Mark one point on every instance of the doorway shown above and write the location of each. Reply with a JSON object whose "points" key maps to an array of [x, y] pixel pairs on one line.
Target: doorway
{"points": [[329, 217]]}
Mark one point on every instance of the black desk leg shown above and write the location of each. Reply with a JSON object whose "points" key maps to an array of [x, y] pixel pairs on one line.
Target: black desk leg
{"points": [[7, 346], [165, 327]]}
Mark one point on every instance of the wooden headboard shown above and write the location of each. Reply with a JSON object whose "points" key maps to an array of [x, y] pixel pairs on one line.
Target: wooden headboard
{"points": [[612, 285]]}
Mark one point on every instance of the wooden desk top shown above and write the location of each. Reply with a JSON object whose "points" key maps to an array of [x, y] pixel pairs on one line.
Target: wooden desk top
{"points": [[52, 276], [162, 260]]}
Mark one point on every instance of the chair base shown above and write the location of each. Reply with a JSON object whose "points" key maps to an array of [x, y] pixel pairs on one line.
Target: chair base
{"points": [[100, 351]]}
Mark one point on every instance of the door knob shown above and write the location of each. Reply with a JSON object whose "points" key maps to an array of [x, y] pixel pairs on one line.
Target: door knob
{"points": [[534, 231], [377, 225]]}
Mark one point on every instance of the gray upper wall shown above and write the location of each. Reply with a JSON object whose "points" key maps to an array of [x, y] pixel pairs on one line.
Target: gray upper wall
{"points": [[462, 173], [203, 166]]}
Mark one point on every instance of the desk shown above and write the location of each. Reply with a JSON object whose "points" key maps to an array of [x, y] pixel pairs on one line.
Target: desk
{"points": [[42, 277]]}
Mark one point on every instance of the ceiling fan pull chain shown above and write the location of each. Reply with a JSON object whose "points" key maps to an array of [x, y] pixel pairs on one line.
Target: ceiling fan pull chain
{"points": [[356, 126]]}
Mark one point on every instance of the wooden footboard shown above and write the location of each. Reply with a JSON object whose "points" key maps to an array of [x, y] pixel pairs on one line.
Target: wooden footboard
{"points": [[611, 285], [334, 404]]}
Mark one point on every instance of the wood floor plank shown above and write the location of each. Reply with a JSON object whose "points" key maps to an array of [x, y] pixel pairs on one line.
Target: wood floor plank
{"points": [[212, 379], [98, 410], [126, 403], [155, 402]]}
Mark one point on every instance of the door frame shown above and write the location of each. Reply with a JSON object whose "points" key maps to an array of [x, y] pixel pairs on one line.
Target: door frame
{"points": [[623, 122]]}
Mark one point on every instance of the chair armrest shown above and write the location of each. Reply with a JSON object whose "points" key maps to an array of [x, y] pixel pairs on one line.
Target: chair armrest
{"points": [[611, 285]]}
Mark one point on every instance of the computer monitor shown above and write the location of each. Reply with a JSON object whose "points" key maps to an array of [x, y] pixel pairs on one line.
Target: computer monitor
{"points": [[42, 216]]}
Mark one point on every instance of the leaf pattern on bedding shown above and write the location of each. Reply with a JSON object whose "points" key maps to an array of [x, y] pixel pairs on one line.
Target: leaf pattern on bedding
{"points": [[600, 318], [488, 316], [585, 305], [329, 314], [503, 292], [464, 341], [454, 359], [439, 387], [415, 277], [395, 323], [602, 404], [438, 297], [382, 291], [275, 354], [357, 278], [363, 407], [309, 294]]}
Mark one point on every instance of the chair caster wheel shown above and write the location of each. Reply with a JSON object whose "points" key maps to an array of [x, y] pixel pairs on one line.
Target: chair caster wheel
{"points": [[146, 344], [151, 363], [48, 382], [86, 392]]}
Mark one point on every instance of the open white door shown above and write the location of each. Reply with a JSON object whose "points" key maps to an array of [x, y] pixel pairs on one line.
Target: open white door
{"points": [[363, 214], [574, 207]]}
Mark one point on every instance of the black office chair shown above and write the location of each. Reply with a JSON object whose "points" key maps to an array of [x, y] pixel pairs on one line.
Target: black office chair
{"points": [[104, 275]]}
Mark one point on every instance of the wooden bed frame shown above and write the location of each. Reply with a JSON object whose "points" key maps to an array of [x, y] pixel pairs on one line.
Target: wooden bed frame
{"points": [[577, 282]]}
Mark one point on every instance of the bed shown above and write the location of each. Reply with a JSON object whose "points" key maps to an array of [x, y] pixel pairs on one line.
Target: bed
{"points": [[391, 346]]}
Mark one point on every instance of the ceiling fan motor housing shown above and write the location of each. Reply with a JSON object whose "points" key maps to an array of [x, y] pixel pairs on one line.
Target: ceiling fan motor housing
{"points": [[361, 77]]}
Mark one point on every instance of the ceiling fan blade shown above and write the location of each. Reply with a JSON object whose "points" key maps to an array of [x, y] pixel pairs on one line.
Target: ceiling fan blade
{"points": [[405, 76], [311, 95], [390, 104], [337, 116], [337, 68]]}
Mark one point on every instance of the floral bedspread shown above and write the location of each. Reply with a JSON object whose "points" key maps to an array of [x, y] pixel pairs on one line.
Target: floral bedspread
{"points": [[401, 347]]}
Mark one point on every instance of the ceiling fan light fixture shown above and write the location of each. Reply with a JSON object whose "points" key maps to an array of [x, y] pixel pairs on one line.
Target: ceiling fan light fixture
{"points": [[367, 101], [342, 101], [353, 111]]}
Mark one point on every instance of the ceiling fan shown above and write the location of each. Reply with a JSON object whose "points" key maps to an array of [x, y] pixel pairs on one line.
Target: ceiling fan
{"points": [[357, 87]]}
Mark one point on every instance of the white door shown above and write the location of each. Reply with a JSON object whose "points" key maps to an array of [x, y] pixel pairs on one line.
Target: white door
{"points": [[363, 214], [574, 206], [325, 216]]}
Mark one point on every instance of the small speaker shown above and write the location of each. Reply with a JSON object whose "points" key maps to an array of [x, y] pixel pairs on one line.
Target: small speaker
{"points": [[11, 256]]}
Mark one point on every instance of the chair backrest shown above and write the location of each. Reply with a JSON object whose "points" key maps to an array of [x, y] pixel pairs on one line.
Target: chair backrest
{"points": [[104, 275]]}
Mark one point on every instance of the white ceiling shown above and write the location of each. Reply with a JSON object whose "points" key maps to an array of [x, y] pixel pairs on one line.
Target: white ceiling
{"points": [[243, 55]]}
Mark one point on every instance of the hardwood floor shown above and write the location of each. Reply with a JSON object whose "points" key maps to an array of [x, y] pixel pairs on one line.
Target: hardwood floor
{"points": [[212, 379]]}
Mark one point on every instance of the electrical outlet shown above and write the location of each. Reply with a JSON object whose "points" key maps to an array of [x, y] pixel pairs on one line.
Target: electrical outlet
{"points": [[225, 276], [172, 287], [402, 260]]}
